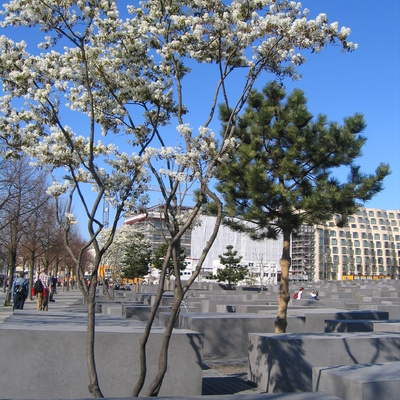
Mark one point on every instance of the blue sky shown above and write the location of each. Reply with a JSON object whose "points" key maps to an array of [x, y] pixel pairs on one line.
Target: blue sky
{"points": [[340, 84], [365, 81]]}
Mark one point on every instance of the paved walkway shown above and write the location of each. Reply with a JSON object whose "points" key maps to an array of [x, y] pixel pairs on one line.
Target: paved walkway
{"points": [[220, 377]]}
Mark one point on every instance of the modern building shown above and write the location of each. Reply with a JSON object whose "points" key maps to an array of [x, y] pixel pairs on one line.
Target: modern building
{"points": [[367, 247], [153, 226], [261, 257]]}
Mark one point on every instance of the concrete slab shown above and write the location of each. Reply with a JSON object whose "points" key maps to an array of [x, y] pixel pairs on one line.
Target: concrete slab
{"points": [[226, 335], [387, 327], [283, 363], [28, 337], [356, 325], [359, 382]]}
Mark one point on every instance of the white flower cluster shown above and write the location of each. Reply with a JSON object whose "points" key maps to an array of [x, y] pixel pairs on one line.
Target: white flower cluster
{"points": [[57, 189], [70, 219], [185, 166]]}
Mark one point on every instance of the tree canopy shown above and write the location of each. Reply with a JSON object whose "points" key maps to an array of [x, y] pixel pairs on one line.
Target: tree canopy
{"points": [[232, 272]]}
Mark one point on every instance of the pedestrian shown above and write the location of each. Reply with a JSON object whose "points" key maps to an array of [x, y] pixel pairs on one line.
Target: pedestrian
{"points": [[43, 297], [300, 295], [313, 295], [53, 287], [19, 291]]}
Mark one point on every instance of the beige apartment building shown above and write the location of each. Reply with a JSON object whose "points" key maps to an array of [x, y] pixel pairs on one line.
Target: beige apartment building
{"points": [[367, 247]]}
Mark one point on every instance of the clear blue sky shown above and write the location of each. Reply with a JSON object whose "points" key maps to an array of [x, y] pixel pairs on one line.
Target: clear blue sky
{"points": [[365, 81]]}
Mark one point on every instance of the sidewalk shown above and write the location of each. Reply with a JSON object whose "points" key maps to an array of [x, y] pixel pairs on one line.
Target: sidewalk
{"points": [[68, 301]]}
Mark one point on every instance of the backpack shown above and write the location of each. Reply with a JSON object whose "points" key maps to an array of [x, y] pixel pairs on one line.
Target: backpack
{"points": [[38, 286], [19, 289], [296, 295]]}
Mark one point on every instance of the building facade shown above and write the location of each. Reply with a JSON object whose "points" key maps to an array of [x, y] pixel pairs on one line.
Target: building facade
{"points": [[367, 247], [261, 257], [152, 225]]}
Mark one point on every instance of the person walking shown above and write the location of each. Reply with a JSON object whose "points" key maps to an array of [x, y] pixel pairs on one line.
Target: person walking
{"points": [[19, 291], [53, 287], [43, 297]]}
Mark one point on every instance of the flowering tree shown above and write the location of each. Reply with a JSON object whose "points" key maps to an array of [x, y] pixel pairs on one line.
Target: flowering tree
{"points": [[125, 78], [137, 258], [126, 240]]}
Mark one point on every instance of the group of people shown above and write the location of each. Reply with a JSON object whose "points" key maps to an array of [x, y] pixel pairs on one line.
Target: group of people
{"points": [[20, 291], [313, 295]]}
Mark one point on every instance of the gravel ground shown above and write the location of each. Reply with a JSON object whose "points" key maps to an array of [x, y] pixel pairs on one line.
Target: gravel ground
{"points": [[226, 366]]}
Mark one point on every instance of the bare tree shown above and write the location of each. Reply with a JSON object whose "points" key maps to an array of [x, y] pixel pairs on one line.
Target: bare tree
{"points": [[42, 214], [22, 183]]}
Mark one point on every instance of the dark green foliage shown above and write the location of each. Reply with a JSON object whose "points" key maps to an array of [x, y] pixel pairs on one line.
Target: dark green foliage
{"points": [[280, 176], [159, 256], [137, 258], [233, 271]]}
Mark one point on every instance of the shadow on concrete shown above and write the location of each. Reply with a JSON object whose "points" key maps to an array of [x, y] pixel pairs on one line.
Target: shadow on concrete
{"points": [[283, 366]]}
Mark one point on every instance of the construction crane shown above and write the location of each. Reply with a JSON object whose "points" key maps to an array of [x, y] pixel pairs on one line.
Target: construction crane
{"points": [[106, 210]]}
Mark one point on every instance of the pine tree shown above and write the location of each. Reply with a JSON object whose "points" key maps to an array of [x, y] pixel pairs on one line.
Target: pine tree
{"points": [[280, 176], [159, 256], [137, 258], [233, 271]]}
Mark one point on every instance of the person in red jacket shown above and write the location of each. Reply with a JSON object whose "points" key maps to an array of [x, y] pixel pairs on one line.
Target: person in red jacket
{"points": [[43, 298]]}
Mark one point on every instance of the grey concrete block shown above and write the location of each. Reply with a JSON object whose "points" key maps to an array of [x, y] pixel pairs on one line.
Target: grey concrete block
{"points": [[392, 309], [226, 335], [245, 396], [387, 327], [47, 352], [359, 382], [357, 325], [283, 363], [315, 320], [141, 312]]}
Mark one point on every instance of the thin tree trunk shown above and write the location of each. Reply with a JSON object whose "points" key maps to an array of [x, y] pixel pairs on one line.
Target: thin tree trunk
{"points": [[144, 339], [155, 385], [94, 387], [31, 270], [284, 295], [13, 256], [179, 294]]}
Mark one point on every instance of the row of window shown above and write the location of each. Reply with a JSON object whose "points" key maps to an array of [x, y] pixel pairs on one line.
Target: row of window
{"points": [[359, 260], [379, 213], [366, 252], [356, 242], [346, 268], [372, 221]]}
